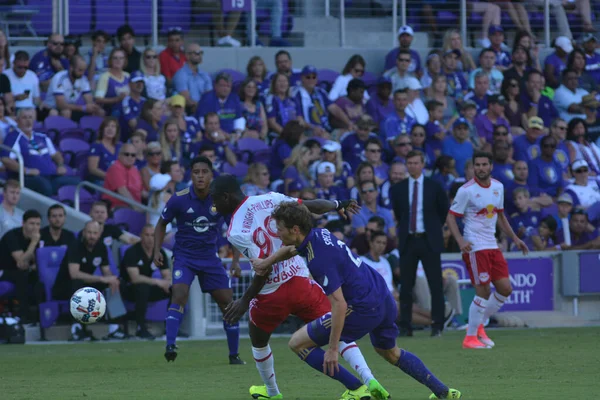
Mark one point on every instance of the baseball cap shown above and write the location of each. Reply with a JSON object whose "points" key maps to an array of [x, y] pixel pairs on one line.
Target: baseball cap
{"points": [[496, 99], [460, 121], [309, 69], [564, 43], [356, 84], [295, 186], [136, 76], [565, 198], [331, 146], [587, 37], [579, 164], [535, 122], [452, 51], [413, 84], [325, 167], [494, 29], [159, 181], [177, 101], [406, 30]]}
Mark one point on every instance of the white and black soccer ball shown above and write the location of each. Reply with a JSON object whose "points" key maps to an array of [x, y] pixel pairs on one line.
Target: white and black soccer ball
{"points": [[87, 305]]}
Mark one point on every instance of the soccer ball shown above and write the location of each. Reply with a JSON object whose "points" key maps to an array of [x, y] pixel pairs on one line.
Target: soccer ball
{"points": [[87, 305]]}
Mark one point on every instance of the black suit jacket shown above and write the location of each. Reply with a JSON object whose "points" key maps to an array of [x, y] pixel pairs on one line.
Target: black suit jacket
{"points": [[435, 209]]}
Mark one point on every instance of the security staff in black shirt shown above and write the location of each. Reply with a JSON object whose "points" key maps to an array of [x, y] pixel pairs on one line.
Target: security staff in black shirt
{"points": [[54, 234], [137, 269], [109, 232]]}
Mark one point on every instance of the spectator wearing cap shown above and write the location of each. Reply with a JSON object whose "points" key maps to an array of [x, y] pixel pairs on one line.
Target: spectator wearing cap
{"points": [[70, 93], [104, 152], [399, 122], [480, 91], [10, 216], [126, 37], [457, 84], [190, 81], [113, 85], [438, 91], [281, 150], [485, 123], [579, 237], [188, 126], [46, 63], [568, 96], [353, 143], [416, 108], [124, 178], [405, 38], [519, 66], [370, 208], [496, 36], [155, 82], [458, 145], [576, 61], [565, 206], [527, 146], [402, 146], [545, 172], [24, 83], [172, 58], [592, 57], [45, 169], [71, 47], [325, 183], [400, 73], [556, 62], [97, 57], [487, 61], [257, 180], [225, 104], [279, 105], [352, 103], [295, 188], [380, 105], [132, 104], [332, 153], [533, 102], [354, 69], [313, 106], [585, 193], [590, 108]]}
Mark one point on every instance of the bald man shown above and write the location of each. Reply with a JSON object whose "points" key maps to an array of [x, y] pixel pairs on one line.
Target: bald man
{"points": [[49, 61], [124, 178], [190, 81]]}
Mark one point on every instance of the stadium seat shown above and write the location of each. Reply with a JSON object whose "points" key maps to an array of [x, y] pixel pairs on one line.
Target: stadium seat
{"points": [[237, 76], [326, 77], [54, 125], [250, 150], [240, 170], [71, 148], [110, 15], [130, 220], [48, 264], [172, 13], [80, 17], [114, 268], [6, 288], [139, 14], [66, 195], [42, 21], [91, 124]]}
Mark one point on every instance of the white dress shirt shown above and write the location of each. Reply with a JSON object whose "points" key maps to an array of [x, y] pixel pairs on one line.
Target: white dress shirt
{"points": [[411, 185]]}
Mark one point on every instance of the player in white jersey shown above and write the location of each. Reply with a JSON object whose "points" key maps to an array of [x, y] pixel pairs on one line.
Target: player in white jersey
{"points": [[287, 290], [481, 203]]}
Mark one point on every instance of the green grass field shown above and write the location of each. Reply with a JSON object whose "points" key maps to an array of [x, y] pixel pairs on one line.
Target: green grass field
{"points": [[525, 365]]}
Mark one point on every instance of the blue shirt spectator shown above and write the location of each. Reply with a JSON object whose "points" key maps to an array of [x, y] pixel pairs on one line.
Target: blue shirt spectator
{"points": [[405, 38], [46, 63], [190, 81], [226, 105], [458, 146], [399, 122], [545, 172], [527, 146], [353, 143], [371, 208]]}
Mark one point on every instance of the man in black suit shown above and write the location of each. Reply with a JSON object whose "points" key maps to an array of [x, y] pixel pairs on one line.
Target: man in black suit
{"points": [[420, 205]]}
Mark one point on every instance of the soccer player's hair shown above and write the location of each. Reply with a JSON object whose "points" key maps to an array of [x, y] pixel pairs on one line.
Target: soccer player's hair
{"points": [[165, 167], [56, 207], [291, 213], [282, 52], [99, 203], [520, 190], [31, 214], [483, 154], [378, 220], [225, 183], [21, 56], [432, 105], [12, 184], [201, 159], [416, 153], [376, 234]]}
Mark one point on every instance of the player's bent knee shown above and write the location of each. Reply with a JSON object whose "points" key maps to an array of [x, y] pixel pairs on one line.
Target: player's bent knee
{"points": [[390, 355], [179, 294]]}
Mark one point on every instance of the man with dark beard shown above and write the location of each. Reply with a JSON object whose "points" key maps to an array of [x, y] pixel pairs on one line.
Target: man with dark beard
{"points": [[54, 234], [48, 62]]}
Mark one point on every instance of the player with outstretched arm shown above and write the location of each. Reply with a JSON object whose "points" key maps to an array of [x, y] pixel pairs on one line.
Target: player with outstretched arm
{"points": [[481, 203], [195, 254], [287, 290], [361, 304]]}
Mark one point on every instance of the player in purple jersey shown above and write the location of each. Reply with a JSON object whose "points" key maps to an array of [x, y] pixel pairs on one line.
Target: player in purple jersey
{"points": [[195, 254], [360, 302]]}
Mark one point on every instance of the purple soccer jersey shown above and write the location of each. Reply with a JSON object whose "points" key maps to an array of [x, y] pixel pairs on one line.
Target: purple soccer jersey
{"points": [[371, 307]]}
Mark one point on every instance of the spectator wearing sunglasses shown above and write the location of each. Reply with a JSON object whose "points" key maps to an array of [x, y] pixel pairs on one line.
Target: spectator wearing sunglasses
{"points": [[558, 130], [155, 82], [190, 81], [49, 61], [400, 73], [584, 192], [354, 69], [124, 178], [368, 194], [405, 38], [545, 172], [24, 83], [172, 59]]}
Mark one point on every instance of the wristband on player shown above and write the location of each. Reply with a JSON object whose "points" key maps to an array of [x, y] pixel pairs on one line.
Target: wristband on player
{"points": [[342, 204]]}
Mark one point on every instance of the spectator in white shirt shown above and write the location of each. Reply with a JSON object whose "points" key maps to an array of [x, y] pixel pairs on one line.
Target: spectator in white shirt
{"points": [[568, 96], [416, 108], [583, 191], [24, 83], [375, 259], [10, 216], [355, 68], [69, 89]]}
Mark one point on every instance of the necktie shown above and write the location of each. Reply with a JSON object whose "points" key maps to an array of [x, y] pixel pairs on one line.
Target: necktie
{"points": [[413, 208]]}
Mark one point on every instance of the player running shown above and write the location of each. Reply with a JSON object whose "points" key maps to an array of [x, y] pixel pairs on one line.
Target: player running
{"points": [[481, 202], [361, 304], [195, 254], [287, 290]]}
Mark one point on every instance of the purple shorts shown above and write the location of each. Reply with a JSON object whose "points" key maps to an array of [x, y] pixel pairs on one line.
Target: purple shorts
{"points": [[211, 274], [379, 324]]}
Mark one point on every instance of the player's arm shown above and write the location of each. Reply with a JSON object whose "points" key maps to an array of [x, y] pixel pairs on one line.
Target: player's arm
{"points": [[321, 206], [236, 309], [338, 315], [235, 269], [159, 237], [508, 230], [264, 266], [128, 238], [457, 209]]}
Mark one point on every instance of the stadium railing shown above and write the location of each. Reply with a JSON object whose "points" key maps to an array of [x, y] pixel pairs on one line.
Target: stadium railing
{"points": [[134, 204], [21, 163]]}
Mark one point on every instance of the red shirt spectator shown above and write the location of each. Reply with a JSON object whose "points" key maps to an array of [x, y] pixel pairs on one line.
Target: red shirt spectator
{"points": [[172, 58], [124, 178]]}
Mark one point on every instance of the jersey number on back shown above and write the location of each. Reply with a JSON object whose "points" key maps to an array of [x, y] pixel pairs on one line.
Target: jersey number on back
{"points": [[262, 237], [355, 260]]}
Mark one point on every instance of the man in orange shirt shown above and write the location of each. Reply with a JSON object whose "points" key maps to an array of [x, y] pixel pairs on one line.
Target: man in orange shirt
{"points": [[172, 58], [124, 178]]}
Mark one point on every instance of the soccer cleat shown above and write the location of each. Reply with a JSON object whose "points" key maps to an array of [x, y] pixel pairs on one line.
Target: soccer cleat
{"points": [[377, 391], [236, 360], [144, 333], [483, 337], [119, 334], [452, 394], [362, 393], [170, 353], [260, 392], [471, 342]]}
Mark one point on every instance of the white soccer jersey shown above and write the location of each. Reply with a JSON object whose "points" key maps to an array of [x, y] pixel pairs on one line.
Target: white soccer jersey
{"points": [[254, 233], [480, 207]]}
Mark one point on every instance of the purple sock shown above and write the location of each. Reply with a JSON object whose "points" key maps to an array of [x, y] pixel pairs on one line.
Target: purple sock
{"points": [[315, 356], [233, 337], [413, 366], [174, 318]]}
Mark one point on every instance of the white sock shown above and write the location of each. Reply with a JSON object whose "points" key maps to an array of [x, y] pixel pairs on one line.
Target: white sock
{"points": [[351, 353], [112, 328], [266, 368], [476, 311], [494, 303]]}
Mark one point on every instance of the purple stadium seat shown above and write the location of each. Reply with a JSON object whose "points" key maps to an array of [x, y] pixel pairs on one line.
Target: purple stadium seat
{"points": [[326, 77], [76, 133], [240, 170], [6, 288], [55, 125], [140, 16], [90, 124], [172, 13], [263, 20], [66, 195], [110, 15], [235, 75], [551, 210], [42, 21], [132, 221], [74, 146], [253, 150], [48, 263], [114, 268], [80, 17]]}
